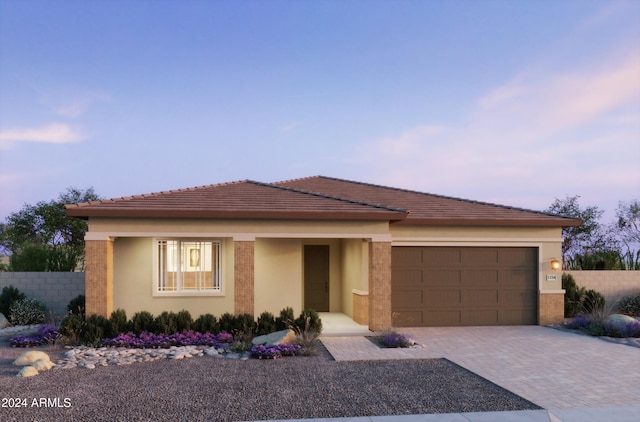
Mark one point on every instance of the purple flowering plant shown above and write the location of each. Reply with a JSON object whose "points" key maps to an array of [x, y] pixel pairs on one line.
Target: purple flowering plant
{"points": [[261, 351], [622, 329], [394, 339], [147, 340], [47, 334]]}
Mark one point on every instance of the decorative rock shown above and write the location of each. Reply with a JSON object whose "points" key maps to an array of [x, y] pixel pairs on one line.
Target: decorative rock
{"points": [[279, 337], [43, 364], [27, 371], [621, 319], [29, 357], [4, 322]]}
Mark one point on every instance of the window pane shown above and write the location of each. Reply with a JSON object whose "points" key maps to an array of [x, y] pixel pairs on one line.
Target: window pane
{"points": [[188, 266]]}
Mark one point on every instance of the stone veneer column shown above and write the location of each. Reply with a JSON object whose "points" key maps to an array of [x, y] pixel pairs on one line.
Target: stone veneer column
{"points": [[379, 285], [551, 308], [243, 300], [98, 277]]}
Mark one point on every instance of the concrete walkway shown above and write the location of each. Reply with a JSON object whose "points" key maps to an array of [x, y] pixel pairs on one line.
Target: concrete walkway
{"points": [[573, 377]]}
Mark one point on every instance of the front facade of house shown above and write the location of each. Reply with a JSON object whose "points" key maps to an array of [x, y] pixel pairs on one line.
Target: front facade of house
{"points": [[383, 256]]}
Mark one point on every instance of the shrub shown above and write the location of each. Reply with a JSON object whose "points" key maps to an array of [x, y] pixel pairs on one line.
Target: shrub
{"points": [[592, 301], [227, 322], [143, 321], [27, 312], [206, 323], [307, 338], [311, 318], [77, 306], [166, 323], [394, 340], [266, 324], [8, 296], [184, 321], [572, 297], [619, 328], [71, 328], [630, 305], [285, 319], [118, 323], [245, 324], [96, 328]]}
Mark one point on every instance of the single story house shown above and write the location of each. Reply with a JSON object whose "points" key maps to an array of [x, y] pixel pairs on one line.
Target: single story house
{"points": [[381, 255]]}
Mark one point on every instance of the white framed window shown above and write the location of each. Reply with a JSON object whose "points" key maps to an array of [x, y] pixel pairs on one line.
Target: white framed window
{"points": [[188, 267]]}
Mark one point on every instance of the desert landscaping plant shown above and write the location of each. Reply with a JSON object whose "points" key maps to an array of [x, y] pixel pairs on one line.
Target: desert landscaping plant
{"points": [[8, 296], [77, 306], [394, 339], [307, 336], [206, 323], [27, 312], [630, 305]]}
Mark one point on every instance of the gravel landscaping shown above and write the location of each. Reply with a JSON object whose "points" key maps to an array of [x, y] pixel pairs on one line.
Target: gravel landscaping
{"points": [[207, 388]]}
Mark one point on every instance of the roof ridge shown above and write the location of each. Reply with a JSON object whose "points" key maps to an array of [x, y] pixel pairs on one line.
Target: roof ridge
{"points": [[433, 195], [335, 197]]}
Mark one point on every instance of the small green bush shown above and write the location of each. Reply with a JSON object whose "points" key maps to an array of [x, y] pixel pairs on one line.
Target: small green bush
{"points": [[285, 319], [143, 321], [166, 323], [184, 321], [27, 312], [310, 318], [72, 327], [8, 296], [118, 323], [245, 324], [77, 306], [96, 328], [227, 322], [266, 324], [630, 305], [206, 323], [592, 301], [572, 297]]}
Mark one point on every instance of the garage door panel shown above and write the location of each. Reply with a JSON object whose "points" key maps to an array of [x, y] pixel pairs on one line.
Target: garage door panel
{"points": [[479, 317], [479, 257], [442, 277], [408, 319], [443, 298], [465, 286], [403, 299], [484, 298], [442, 257], [410, 256], [475, 276], [407, 277]]}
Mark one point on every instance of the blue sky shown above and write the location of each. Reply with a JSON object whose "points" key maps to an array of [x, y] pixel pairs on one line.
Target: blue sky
{"points": [[512, 102]]}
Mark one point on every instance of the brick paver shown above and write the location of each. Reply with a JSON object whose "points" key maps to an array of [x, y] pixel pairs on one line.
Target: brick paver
{"points": [[552, 368]]}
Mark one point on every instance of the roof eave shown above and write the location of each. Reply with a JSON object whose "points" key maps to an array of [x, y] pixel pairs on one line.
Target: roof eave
{"points": [[490, 222]]}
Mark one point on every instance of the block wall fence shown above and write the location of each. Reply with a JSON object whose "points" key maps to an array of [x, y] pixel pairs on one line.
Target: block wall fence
{"points": [[611, 284], [53, 289]]}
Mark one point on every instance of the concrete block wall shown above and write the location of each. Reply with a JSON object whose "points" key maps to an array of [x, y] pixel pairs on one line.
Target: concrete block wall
{"points": [[53, 289], [611, 284]]}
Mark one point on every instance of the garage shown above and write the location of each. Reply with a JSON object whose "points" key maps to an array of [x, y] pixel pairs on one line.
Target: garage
{"points": [[462, 286]]}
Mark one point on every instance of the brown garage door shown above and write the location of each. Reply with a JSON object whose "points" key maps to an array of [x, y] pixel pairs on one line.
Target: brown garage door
{"points": [[449, 286]]}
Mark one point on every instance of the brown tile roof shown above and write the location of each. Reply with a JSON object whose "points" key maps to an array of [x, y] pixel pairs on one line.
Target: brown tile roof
{"points": [[429, 209], [316, 197], [242, 199]]}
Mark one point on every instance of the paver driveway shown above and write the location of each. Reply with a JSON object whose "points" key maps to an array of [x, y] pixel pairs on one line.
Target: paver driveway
{"points": [[553, 369]]}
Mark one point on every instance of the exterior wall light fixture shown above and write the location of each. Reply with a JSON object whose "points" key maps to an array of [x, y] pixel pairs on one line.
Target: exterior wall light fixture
{"points": [[555, 264]]}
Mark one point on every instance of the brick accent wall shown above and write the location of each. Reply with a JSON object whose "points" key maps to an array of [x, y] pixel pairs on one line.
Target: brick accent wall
{"points": [[611, 284], [551, 308], [53, 289], [99, 277], [361, 308], [243, 268], [379, 285]]}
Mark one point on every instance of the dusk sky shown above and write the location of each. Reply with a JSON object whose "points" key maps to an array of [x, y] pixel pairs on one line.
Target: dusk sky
{"points": [[511, 102]]}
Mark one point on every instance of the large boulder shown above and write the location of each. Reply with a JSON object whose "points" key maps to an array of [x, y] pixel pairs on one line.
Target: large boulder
{"points": [[620, 319], [29, 357], [4, 322], [43, 364], [279, 337]]}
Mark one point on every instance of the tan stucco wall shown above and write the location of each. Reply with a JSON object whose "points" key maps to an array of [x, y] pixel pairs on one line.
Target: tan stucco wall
{"points": [[278, 272], [354, 272], [226, 228], [611, 284], [133, 282]]}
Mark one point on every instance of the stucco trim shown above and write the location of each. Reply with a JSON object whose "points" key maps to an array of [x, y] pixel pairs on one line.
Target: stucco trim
{"points": [[239, 236], [471, 241]]}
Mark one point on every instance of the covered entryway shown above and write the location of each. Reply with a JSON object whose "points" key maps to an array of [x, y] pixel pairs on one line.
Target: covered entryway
{"points": [[460, 286], [316, 277]]}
